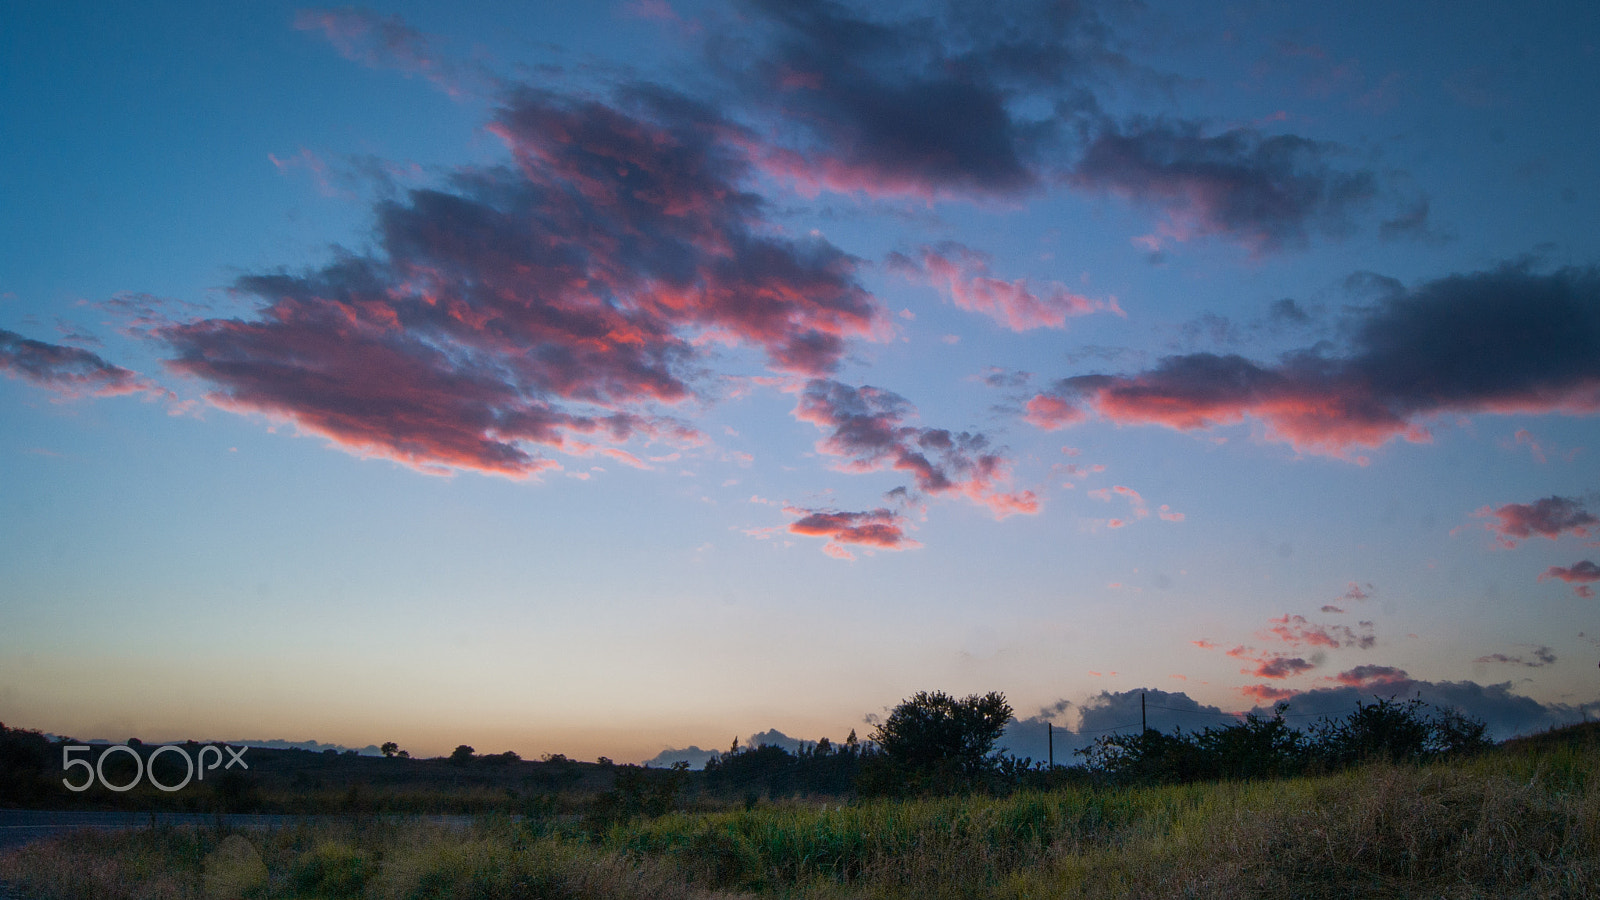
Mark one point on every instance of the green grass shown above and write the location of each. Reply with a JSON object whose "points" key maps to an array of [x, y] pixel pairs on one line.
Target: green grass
{"points": [[1523, 821]]}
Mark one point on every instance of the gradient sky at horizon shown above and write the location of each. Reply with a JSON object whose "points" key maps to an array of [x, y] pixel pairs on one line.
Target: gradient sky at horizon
{"points": [[604, 379]]}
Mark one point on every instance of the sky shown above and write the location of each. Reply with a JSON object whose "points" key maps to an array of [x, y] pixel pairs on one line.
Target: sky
{"points": [[622, 378]]}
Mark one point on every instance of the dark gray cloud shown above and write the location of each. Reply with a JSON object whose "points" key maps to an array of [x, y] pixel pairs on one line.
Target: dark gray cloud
{"points": [[1268, 193], [924, 104], [693, 755], [1507, 340], [1001, 377], [1281, 316], [696, 757], [1413, 224], [1507, 714], [1106, 713]]}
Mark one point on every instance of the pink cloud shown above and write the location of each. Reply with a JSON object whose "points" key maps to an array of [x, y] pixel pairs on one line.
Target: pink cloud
{"points": [[1266, 693], [1580, 574], [1550, 517], [1541, 451], [560, 303], [878, 529], [964, 274], [1524, 437], [1135, 502], [1050, 413]]}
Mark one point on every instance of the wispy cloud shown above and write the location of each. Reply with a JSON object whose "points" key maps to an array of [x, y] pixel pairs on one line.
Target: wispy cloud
{"points": [[381, 42], [866, 428], [1266, 193], [1540, 657], [1297, 631], [1018, 305]]}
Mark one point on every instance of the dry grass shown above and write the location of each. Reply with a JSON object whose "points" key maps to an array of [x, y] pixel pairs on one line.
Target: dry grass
{"points": [[1375, 832]]}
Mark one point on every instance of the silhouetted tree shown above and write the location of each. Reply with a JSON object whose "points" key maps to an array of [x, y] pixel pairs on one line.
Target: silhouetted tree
{"points": [[936, 743], [462, 755], [820, 768]]}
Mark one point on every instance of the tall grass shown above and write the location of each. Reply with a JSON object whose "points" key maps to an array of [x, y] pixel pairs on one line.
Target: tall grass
{"points": [[1511, 824]]}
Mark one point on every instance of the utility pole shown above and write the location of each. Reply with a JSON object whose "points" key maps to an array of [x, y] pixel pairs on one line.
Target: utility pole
{"points": [[1050, 742], [1142, 725]]}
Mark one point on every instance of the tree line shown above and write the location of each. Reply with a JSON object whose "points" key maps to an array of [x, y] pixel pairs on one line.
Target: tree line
{"points": [[935, 743]]}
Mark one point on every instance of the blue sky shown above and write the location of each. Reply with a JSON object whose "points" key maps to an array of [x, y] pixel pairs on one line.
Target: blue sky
{"points": [[611, 380]]}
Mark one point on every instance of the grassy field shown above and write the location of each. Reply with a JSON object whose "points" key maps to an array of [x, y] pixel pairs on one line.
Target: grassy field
{"points": [[1521, 821]]}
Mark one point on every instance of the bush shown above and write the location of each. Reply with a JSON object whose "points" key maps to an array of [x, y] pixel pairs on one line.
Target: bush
{"points": [[25, 767], [1385, 730], [333, 870], [635, 792]]}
